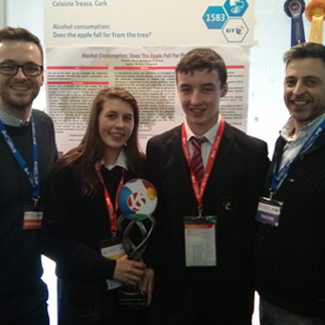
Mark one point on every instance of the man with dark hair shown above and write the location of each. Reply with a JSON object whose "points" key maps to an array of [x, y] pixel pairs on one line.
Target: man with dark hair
{"points": [[208, 176], [290, 252], [28, 152]]}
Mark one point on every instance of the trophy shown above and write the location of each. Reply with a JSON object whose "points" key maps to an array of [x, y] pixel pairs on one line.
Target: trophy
{"points": [[137, 200]]}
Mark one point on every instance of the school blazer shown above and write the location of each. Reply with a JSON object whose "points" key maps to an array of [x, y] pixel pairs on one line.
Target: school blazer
{"points": [[231, 194]]}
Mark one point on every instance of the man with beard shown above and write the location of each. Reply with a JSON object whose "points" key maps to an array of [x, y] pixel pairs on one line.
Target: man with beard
{"points": [[28, 152]]}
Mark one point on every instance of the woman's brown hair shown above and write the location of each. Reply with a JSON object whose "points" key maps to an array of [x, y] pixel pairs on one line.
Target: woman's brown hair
{"points": [[91, 148]]}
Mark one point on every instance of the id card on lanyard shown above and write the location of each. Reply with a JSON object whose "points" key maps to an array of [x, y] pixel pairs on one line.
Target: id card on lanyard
{"points": [[33, 214], [200, 231], [269, 211], [200, 241]]}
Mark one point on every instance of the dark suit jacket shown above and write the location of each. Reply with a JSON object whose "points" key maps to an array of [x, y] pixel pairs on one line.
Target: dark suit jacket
{"points": [[224, 294], [290, 258]]}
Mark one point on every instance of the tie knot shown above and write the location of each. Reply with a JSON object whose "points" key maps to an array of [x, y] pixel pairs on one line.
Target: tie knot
{"points": [[196, 142]]}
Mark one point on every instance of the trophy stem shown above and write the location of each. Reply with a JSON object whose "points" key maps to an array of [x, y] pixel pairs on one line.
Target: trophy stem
{"points": [[135, 252]]}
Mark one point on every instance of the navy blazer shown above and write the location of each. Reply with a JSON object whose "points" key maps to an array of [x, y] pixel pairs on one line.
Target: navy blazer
{"points": [[231, 194], [290, 258]]}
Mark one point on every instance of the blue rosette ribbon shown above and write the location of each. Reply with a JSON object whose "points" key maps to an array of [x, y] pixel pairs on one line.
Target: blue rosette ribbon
{"points": [[295, 9]]}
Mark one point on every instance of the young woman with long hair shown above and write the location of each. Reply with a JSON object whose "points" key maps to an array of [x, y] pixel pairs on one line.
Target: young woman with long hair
{"points": [[81, 214]]}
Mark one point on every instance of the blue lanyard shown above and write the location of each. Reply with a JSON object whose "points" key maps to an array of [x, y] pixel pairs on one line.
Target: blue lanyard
{"points": [[32, 178], [279, 177]]}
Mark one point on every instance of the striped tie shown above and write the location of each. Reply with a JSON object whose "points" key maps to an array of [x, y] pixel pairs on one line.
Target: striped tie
{"points": [[196, 161]]}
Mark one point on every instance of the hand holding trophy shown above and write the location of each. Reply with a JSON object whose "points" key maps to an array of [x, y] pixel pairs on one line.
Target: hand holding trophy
{"points": [[137, 200]]}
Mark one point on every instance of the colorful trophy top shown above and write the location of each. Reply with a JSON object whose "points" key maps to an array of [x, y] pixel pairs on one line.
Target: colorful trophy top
{"points": [[294, 9], [315, 12], [137, 199]]}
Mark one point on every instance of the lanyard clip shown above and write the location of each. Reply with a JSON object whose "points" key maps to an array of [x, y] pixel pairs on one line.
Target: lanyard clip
{"points": [[271, 194], [35, 200], [200, 213], [114, 235]]}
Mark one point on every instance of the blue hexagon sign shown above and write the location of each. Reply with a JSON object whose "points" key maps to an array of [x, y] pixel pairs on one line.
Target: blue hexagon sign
{"points": [[236, 8], [215, 17], [235, 30]]}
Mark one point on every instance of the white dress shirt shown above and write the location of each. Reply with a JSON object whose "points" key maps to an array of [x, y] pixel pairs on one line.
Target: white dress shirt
{"points": [[205, 146]]}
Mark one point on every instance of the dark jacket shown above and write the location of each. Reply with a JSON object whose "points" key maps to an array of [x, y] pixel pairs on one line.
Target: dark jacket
{"points": [[21, 287], [224, 292], [75, 227], [290, 258], [75, 224]]}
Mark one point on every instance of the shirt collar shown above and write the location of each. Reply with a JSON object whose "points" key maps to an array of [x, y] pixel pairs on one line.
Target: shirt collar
{"points": [[10, 120], [306, 131], [210, 135], [120, 161]]}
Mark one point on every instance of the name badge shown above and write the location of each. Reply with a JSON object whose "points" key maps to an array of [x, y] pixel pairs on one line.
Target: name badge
{"points": [[112, 249], [200, 241], [33, 217], [268, 211]]}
